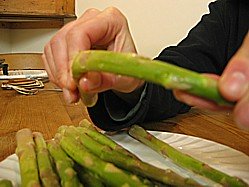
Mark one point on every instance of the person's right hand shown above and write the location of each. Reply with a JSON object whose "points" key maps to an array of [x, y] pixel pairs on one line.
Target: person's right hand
{"points": [[107, 30], [233, 85]]}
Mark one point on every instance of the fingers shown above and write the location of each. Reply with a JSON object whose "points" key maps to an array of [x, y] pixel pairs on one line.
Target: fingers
{"points": [[103, 30], [56, 57], [94, 82], [106, 29], [234, 83], [77, 38], [197, 101], [57, 60], [48, 69]]}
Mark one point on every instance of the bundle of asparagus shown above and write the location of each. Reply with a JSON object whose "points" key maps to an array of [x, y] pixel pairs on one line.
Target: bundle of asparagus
{"points": [[113, 153], [162, 73], [83, 156]]}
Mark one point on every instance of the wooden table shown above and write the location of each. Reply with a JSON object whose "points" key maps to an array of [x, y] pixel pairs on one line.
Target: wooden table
{"points": [[43, 112], [46, 111]]}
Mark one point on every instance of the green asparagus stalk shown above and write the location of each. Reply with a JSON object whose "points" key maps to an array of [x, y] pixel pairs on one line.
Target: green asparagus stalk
{"points": [[129, 163], [91, 131], [5, 183], [182, 159], [47, 175], [64, 165], [165, 74], [27, 158], [87, 124], [112, 175], [88, 178]]}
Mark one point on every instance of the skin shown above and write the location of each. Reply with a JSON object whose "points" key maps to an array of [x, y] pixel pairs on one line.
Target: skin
{"points": [[233, 85], [108, 29]]}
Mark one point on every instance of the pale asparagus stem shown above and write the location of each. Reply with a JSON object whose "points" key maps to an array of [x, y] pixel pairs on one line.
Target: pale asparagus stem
{"points": [[165, 74], [47, 175], [182, 159], [129, 163], [90, 130], [112, 175], [27, 158], [5, 183], [64, 165]]}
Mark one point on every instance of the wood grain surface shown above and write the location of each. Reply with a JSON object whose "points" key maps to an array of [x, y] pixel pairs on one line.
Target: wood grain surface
{"points": [[43, 112]]}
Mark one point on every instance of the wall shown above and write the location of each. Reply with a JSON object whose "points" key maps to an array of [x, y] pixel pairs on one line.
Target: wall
{"points": [[28, 40], [5, 44], [154, 24]]}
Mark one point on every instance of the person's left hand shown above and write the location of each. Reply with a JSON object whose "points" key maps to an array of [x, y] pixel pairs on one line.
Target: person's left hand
{"points": [[106, 30], [233, 85]]}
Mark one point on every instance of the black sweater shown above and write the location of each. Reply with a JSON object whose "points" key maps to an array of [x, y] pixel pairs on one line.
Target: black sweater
{"points": [[207, 48]]}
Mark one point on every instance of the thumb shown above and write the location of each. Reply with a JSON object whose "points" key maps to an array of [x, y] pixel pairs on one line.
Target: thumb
{"points": [[234, 81]]}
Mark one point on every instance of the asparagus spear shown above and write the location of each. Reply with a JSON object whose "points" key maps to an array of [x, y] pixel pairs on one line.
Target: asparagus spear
{"points": [[167, 75], [5, 183], [27, 158], [64, 165], [88, 178], [129, 163], [90, 130], [108, 172], [47, 175], [182, 159]]}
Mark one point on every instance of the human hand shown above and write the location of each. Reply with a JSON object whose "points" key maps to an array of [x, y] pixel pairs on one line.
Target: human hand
{"points": [[233, 85], [107, 30]]}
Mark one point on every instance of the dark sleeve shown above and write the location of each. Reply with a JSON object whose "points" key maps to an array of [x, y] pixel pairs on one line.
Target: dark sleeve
{"points": [[203, 50], [205, 47]]}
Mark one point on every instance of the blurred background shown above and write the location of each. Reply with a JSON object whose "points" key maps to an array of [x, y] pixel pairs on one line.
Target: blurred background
{"points": [[154, 24]]}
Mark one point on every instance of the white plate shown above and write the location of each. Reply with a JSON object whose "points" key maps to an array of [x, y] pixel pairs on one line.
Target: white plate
{"points": [[218, 156]]}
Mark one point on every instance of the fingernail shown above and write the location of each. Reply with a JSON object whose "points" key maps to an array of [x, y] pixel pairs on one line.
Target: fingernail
{"points": [[236, 83], [88, 85]]}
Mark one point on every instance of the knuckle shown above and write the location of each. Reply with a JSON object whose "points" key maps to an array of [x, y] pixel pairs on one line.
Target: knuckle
{"points": [[73, 34], [114, 12], [55, 40], [91, 11]]}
